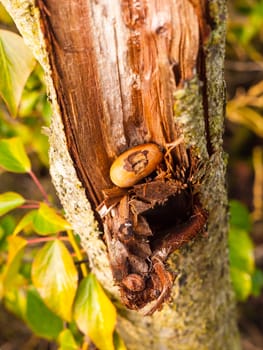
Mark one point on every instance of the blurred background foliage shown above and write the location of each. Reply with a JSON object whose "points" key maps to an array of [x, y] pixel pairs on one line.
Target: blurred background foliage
{"points": [[243, 142]]}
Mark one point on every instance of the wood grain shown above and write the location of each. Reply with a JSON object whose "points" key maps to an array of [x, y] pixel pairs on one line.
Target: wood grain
{"points": [[116, 66]]}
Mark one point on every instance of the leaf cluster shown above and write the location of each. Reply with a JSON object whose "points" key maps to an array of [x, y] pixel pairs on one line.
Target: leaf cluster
{"points": [[39, 253], [51, 291], [245, 29], [245, 111], [246, 278]]}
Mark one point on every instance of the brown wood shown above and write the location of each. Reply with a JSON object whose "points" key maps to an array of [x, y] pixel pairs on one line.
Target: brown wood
{"points": [[107, 107], [115, 87]]}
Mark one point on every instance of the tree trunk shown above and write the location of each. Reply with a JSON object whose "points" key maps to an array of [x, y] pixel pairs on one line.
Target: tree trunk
{"points": [[124, 73]]}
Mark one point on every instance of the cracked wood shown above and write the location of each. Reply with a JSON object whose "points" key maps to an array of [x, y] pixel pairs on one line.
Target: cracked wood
{"points": [[115, 69]]}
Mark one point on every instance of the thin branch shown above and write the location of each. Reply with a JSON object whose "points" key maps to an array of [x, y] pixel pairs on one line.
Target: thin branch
{"points": [[39, 186], [45, 239]]}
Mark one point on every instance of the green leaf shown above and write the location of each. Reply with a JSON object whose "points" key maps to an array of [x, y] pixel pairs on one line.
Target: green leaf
{"points": [[47, 221], [13, 156], [28, 103], [241, 250], [239, 216], [8, 224], [25, 222], [118, 342], [10, 201], [2, 233], [67, 341], [5, 18], [16, 64], [94, 313], [15, 253], [40, 145], [15, 301], [40, 319], [257, 282], [242, 283], [55, 277]]}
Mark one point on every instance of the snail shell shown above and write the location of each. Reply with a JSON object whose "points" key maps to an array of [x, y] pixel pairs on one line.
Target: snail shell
{"points": [[135, 164]]}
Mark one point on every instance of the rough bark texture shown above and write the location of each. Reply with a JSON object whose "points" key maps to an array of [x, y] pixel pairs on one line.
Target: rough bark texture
{"points": [[156, 71]]}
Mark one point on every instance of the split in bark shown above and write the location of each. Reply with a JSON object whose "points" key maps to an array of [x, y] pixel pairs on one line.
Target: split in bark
{"points": [[162, 52]]}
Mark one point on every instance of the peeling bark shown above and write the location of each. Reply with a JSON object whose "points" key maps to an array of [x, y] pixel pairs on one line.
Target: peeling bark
{"points": [[123, 73]]}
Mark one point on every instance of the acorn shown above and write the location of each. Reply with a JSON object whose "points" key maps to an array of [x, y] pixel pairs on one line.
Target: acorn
{"points": [[135, 164]]}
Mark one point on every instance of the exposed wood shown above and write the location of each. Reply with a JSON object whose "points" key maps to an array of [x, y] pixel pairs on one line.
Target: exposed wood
{"points": [[115, 79], [154, 66], [127, 73]]}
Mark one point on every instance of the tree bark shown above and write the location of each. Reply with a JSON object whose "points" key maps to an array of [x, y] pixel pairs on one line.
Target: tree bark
{"points": [[123, 73]]}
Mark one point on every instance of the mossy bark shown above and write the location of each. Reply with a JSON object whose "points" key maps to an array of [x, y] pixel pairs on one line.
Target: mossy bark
{"points": [[201, 314]]}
